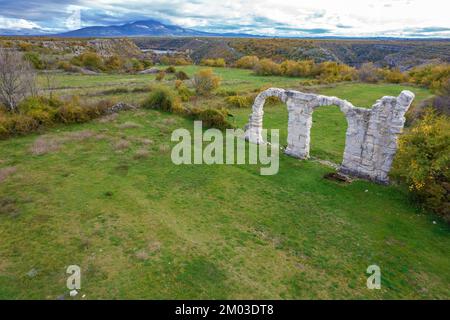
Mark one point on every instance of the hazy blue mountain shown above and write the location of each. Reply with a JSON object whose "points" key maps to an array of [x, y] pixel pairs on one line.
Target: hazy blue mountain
{"points": [[141, 28], [23, 32]]}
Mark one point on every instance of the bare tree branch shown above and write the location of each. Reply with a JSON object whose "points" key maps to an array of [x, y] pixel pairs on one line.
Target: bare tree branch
{"points": [[17, 79]]}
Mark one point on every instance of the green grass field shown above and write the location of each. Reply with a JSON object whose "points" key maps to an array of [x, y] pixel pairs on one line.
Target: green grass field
{"points": [[105, 196]]}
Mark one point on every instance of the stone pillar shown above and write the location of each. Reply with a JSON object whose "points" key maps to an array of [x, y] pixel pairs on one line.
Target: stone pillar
{"points": [[299, 126], [382, 127]]}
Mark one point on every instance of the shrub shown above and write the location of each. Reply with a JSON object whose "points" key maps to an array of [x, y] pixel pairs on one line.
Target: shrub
{"points": [[369, 73], [220, 62], [147, 63], [213, 62], [178, 83], [136, 65], [305, 67], [39, 112], [42, 109], [267, 67], [170, 69], [165, 60], [35, 60], [207, 62], [297, 68], [164, 99], [431, 76], [239, 101], [66, 66], [440, 103], [24, 46], [394, 76], [181, 75], [90, 60], [181, 61], [247, 62], [17, 124], [160, 76], [184, 92], [423, 162], [102, 106], [213, 118], [72, 113], [205, 81], [114, 63], [330, 71]]}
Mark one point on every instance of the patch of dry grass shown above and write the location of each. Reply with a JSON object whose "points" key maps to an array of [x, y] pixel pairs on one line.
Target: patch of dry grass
{"points": [[48, 144], [101, 136], [144, 254], [141, 154], [8, 206], [169, 121], [144, 141], [141, 255], [129, 125], [108, 118], [44, 145], [6, 172], [80, 135], [154, 247], [164, 148], [122, 144]]}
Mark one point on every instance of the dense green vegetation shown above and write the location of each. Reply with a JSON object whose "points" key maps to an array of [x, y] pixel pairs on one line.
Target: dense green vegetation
{"points": [[423, 161], [106, 196]]}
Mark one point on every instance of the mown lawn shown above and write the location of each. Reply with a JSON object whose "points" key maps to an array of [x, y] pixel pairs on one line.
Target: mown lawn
{"points": [[141, 227]]}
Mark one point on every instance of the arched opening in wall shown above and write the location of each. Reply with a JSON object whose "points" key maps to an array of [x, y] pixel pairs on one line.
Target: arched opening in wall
{"points": [[276, 117], [328, 134]]}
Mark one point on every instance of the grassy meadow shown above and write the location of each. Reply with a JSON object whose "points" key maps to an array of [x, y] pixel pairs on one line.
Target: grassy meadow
{"points": [[106, 196]]}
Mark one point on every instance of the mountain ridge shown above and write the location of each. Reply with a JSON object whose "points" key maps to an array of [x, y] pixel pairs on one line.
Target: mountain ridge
{"points": [[144, 28], [154, 28]]}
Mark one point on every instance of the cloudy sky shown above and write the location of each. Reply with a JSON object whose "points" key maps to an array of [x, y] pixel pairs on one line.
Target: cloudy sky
{"points": [[399, 18]]}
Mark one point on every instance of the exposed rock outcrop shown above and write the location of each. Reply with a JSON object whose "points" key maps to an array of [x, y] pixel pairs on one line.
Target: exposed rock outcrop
{"points": [[121, 106]]}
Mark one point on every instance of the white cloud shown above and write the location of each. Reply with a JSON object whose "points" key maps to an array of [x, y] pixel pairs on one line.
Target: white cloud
{"points": [[285, 17], [16, 24]]}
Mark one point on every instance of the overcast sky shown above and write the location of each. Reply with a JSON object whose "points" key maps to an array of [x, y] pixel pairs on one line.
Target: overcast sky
{"points": [[399, 18]]}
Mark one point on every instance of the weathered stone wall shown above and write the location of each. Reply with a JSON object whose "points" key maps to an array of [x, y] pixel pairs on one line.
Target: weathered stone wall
{"points": [[371, 140]]}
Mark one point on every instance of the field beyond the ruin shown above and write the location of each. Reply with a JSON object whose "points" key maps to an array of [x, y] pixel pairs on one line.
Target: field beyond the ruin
{"points": [[106, 196]]}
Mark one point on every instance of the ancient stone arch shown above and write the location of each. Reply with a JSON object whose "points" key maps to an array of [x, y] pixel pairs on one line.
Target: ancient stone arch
{"points": [[371, 139]]}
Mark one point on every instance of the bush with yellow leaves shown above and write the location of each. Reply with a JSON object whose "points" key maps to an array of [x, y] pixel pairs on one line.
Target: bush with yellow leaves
{"points": [[247, 62], [205, 81], [423, 162]]}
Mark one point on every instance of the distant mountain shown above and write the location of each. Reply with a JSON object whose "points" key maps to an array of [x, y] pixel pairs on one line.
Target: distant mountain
{"points": [[143, 28], [23, 32]]}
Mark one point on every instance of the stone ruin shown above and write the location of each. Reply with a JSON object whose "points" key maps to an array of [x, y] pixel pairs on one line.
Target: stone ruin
{"points": [[371, 139]]}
